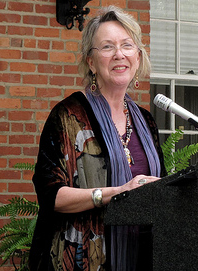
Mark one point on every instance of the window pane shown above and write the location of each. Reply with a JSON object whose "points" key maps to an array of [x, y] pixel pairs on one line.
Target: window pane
{"points": [[189, 10], [164, 9], [163, 47], [161, 117], [189, 48]]}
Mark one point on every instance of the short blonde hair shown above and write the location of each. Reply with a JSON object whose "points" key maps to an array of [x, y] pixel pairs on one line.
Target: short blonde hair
{"points": [[111, 13]]}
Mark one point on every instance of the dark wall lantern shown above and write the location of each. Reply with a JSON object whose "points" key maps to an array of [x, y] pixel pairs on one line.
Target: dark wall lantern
{"points": [[69, 10]]}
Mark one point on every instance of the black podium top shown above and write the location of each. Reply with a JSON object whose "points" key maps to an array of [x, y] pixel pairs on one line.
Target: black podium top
{"points": [[170, 205]]}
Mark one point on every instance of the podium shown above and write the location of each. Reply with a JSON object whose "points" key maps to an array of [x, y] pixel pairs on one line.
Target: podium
{"points": [[170, 206]]}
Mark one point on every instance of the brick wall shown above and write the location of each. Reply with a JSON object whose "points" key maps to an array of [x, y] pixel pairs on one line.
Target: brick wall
{"points": [[38, 68]]}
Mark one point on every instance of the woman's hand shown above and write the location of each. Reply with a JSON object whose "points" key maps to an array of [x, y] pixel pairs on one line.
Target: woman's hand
{"points": [[138, 181]]}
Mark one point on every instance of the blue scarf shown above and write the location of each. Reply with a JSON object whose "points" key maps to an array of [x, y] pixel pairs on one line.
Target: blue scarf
{"points": [[120, 170]]}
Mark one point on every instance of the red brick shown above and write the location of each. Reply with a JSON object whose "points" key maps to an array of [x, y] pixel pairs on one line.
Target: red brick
{"points": [[94, 3], [62, 57], [146, 40], [30, 127], [145, 97], [10, 18], [140, 5], [35, 104], [21, 139], [49, 68], [2, 5], [18, 6], [10, 54], [46, 8], [54, 23], [145, 28], [48, 92], [10, 103], [72, 46], [30, 43], [71, 34], [145, 16], [3, 162], [30, 151], [20, 115], [32, 55], [27, 176], [10, 174], [47, 32], [22, 91], [3, 65], [3, 187], [22, 67], [70, 69], [43, 44], [35, 79], [17, 127], [2, 90], [2, 29], [38, 137], [61, 80], [20, 187], [4, 42], [35, 20], [15, 42], [2, 114], [10, 78], [41, 125], [53, 103], [4, 126], [118, 3], [57, 45], [42, 115], [144, 85], [20, 30], [79, 81], [3, 139]]}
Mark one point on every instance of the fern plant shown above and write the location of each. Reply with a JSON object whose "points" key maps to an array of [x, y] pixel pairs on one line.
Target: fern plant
{"points": [[177, 160], [16, 236], [25, 166]]}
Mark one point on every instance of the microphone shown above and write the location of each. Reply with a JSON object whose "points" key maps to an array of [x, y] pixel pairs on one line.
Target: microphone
{"points": [[168, 105]]}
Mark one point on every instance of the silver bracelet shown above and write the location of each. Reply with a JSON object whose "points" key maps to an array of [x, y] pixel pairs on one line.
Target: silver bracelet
{"points": [[97, 197]]}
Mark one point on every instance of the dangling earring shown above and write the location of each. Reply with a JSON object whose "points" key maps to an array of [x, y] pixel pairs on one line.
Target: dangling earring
{"points": [[93, 85], [136, 82]]}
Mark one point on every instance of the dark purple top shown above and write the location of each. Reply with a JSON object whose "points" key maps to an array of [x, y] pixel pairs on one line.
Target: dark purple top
{"points": [[141, 165]]}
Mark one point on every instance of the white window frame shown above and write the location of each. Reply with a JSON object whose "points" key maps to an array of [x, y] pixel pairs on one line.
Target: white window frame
{"points": [[187, 79]]}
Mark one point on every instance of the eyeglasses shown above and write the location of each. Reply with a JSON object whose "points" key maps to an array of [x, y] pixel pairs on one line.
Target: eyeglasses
{"points": [[109, 50]]}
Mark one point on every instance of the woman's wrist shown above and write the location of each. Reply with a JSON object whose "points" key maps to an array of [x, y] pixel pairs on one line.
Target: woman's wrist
{"points": [[97, 197]]}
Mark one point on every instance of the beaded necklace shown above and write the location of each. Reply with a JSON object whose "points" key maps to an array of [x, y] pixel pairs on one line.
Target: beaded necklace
{"points": [[129, 131]]}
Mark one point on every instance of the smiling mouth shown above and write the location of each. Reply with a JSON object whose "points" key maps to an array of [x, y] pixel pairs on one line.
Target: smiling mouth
{"points": [[120, 68]]}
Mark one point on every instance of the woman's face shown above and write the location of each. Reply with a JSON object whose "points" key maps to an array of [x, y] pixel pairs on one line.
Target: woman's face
{"points": [[117, 70]]}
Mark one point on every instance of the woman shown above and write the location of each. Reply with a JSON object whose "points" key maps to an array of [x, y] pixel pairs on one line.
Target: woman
{"points": [[83, 160]]}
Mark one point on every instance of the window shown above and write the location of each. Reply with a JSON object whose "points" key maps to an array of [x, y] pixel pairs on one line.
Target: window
{"points": [[174, 59]]}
